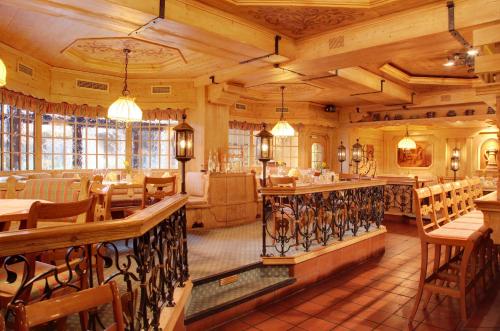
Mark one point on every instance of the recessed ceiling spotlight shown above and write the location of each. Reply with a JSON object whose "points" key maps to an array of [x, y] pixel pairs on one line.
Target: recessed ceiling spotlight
{"points": [[472, 52]]}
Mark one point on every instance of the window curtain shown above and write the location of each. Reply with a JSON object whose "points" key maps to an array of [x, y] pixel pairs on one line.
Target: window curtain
{"points": [[239, 125], [27, 102]]}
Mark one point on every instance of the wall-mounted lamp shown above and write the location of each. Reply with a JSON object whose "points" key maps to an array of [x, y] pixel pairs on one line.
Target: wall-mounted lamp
{"points": [[341, 155], [455, 166], [264, 142], [357, 154]]}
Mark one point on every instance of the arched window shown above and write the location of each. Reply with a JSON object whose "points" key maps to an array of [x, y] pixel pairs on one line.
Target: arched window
{"points": [[317, 155]]}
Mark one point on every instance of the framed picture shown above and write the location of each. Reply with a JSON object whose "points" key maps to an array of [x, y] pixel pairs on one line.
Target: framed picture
{"points": [[420, 157]]}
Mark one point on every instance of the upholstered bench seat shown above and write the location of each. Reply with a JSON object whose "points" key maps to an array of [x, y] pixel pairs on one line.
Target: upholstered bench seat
{"points": [[466, 226], [475, 213], [454, 234]]}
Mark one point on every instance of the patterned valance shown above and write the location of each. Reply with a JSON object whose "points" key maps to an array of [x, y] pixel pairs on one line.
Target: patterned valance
{"points": [[246, 126], [27, 102]]}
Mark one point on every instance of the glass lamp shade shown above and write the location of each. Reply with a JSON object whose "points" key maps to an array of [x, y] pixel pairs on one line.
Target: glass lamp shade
{"points": [[125, 109], [264, 143], [407, 143], [357, 151], [184, 141], [455, 163], [455, 152], [341, 153], [3, 73], [283, 129]]}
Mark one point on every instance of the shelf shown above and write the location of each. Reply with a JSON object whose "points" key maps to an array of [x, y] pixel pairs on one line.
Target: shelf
{"points": [[426, 121]]}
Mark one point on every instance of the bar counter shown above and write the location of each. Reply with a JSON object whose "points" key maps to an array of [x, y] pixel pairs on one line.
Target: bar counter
{"points": [[318, 214], [490, 206]]}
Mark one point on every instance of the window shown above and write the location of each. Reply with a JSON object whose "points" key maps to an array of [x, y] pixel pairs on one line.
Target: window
{"points": [[71, 142], [17, 139], [153, 145], [317, 155], [240, 146], [287, 150]]}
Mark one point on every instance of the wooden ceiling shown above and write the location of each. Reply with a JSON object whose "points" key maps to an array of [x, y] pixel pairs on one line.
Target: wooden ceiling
{"points": [[298, 19], [203, 38]]}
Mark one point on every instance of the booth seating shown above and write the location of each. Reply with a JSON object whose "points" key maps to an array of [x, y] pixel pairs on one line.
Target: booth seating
{"points": [[49, 189], [220, 200], [447, 221]]}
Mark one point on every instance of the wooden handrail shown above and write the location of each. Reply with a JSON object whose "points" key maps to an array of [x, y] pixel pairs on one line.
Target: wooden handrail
{"points": [[317, 188], [36, 240]]}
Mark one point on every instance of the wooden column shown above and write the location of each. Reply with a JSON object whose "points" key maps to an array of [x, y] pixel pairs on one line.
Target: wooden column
{"points": [[498, 154]]}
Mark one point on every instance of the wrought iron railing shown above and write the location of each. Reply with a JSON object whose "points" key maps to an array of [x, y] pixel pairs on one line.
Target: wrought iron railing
{"points": [[148, 272], [298, 221]]}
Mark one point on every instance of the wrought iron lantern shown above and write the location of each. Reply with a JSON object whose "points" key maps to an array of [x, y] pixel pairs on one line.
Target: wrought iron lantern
{"points": [[455, 152], [184, 147], [357, 153], [341, 155], [264, 142], [455, 166]]}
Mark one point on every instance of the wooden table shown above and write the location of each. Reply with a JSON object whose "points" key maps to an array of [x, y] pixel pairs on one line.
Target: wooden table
{"points": [[16, 209]]}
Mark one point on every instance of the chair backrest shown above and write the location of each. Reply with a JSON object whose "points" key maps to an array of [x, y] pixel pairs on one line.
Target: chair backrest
{"points": [[156, 189], [197, 184], [285, 181], [54, 212], [468, 195], [103, 194], [50, 189], [424, 209], [38, 313], [439, 215], [459, 198], [97, 178], [40, 175], [450, 200]]}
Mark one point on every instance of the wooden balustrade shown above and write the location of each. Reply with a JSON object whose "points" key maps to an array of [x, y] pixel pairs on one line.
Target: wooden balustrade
{"points": [[150, 272]]}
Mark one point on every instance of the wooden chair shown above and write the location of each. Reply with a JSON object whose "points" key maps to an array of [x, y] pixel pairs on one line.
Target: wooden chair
{"points": [[44, 263], [454, 271], [154, 189], [103, 195], [2, 323], [31, 315]]}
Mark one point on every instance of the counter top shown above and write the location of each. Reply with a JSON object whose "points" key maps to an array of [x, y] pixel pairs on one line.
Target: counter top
{"points": [[316, 188], [403, 180]]}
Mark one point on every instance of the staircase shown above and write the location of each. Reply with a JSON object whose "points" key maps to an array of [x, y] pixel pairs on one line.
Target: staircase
{"points": [[220, 292]]}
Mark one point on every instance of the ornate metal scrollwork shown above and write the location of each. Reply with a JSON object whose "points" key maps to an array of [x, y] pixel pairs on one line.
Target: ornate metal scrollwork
{"points": [[148, 273], [299, 221], [399, 197]]}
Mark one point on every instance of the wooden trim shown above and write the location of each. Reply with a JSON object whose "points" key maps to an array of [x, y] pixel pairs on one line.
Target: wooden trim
{"points": [[278, 260], [36, 240], [316, 188]]}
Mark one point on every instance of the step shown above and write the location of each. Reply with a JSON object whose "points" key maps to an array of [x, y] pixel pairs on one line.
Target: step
{"points": [[209, 296]]}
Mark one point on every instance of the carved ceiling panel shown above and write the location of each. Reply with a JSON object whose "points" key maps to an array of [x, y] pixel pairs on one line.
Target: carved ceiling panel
{"points": [[293, 91], [108, 53], [307, 18]]}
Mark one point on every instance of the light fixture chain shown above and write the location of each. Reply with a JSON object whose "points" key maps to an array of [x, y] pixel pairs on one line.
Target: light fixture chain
{"points": [[125, 85]]}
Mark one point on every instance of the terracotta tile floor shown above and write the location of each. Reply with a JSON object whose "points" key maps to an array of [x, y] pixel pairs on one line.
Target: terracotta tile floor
{"points": [[377, 295]]}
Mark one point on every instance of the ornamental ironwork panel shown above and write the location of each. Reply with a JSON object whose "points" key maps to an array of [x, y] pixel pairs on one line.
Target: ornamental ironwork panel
{"points": [[399, 197], [147, 273], [299, 221]]}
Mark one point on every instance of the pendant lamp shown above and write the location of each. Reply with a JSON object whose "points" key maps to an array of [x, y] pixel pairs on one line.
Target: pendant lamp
{"points": [[125, 108], [3, 73], [407, 142], [283, 129]]}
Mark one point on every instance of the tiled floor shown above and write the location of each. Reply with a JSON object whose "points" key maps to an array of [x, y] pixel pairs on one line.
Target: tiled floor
{"points": [[375, 296]]}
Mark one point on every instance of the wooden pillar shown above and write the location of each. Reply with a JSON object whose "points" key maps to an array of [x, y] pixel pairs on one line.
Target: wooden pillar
{"points": [[498, 154]]}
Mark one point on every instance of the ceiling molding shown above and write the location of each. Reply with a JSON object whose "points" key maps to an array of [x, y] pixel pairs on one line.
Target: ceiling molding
{"points": [[365, 4], [400, 75]]}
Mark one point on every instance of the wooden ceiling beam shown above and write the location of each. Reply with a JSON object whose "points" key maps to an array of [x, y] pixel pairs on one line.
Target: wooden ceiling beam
{"points": [[400, 75], [344, 45]]}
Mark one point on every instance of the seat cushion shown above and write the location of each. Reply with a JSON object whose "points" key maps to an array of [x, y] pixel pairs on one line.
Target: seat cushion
{"points": [[453, 234], [196, 202], [466, 226]]}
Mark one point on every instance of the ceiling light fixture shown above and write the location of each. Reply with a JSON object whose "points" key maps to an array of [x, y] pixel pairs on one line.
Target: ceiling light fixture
{"points": [[125, 108], [283, 129], [407, 143], [472, 51], [3, 73]]}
